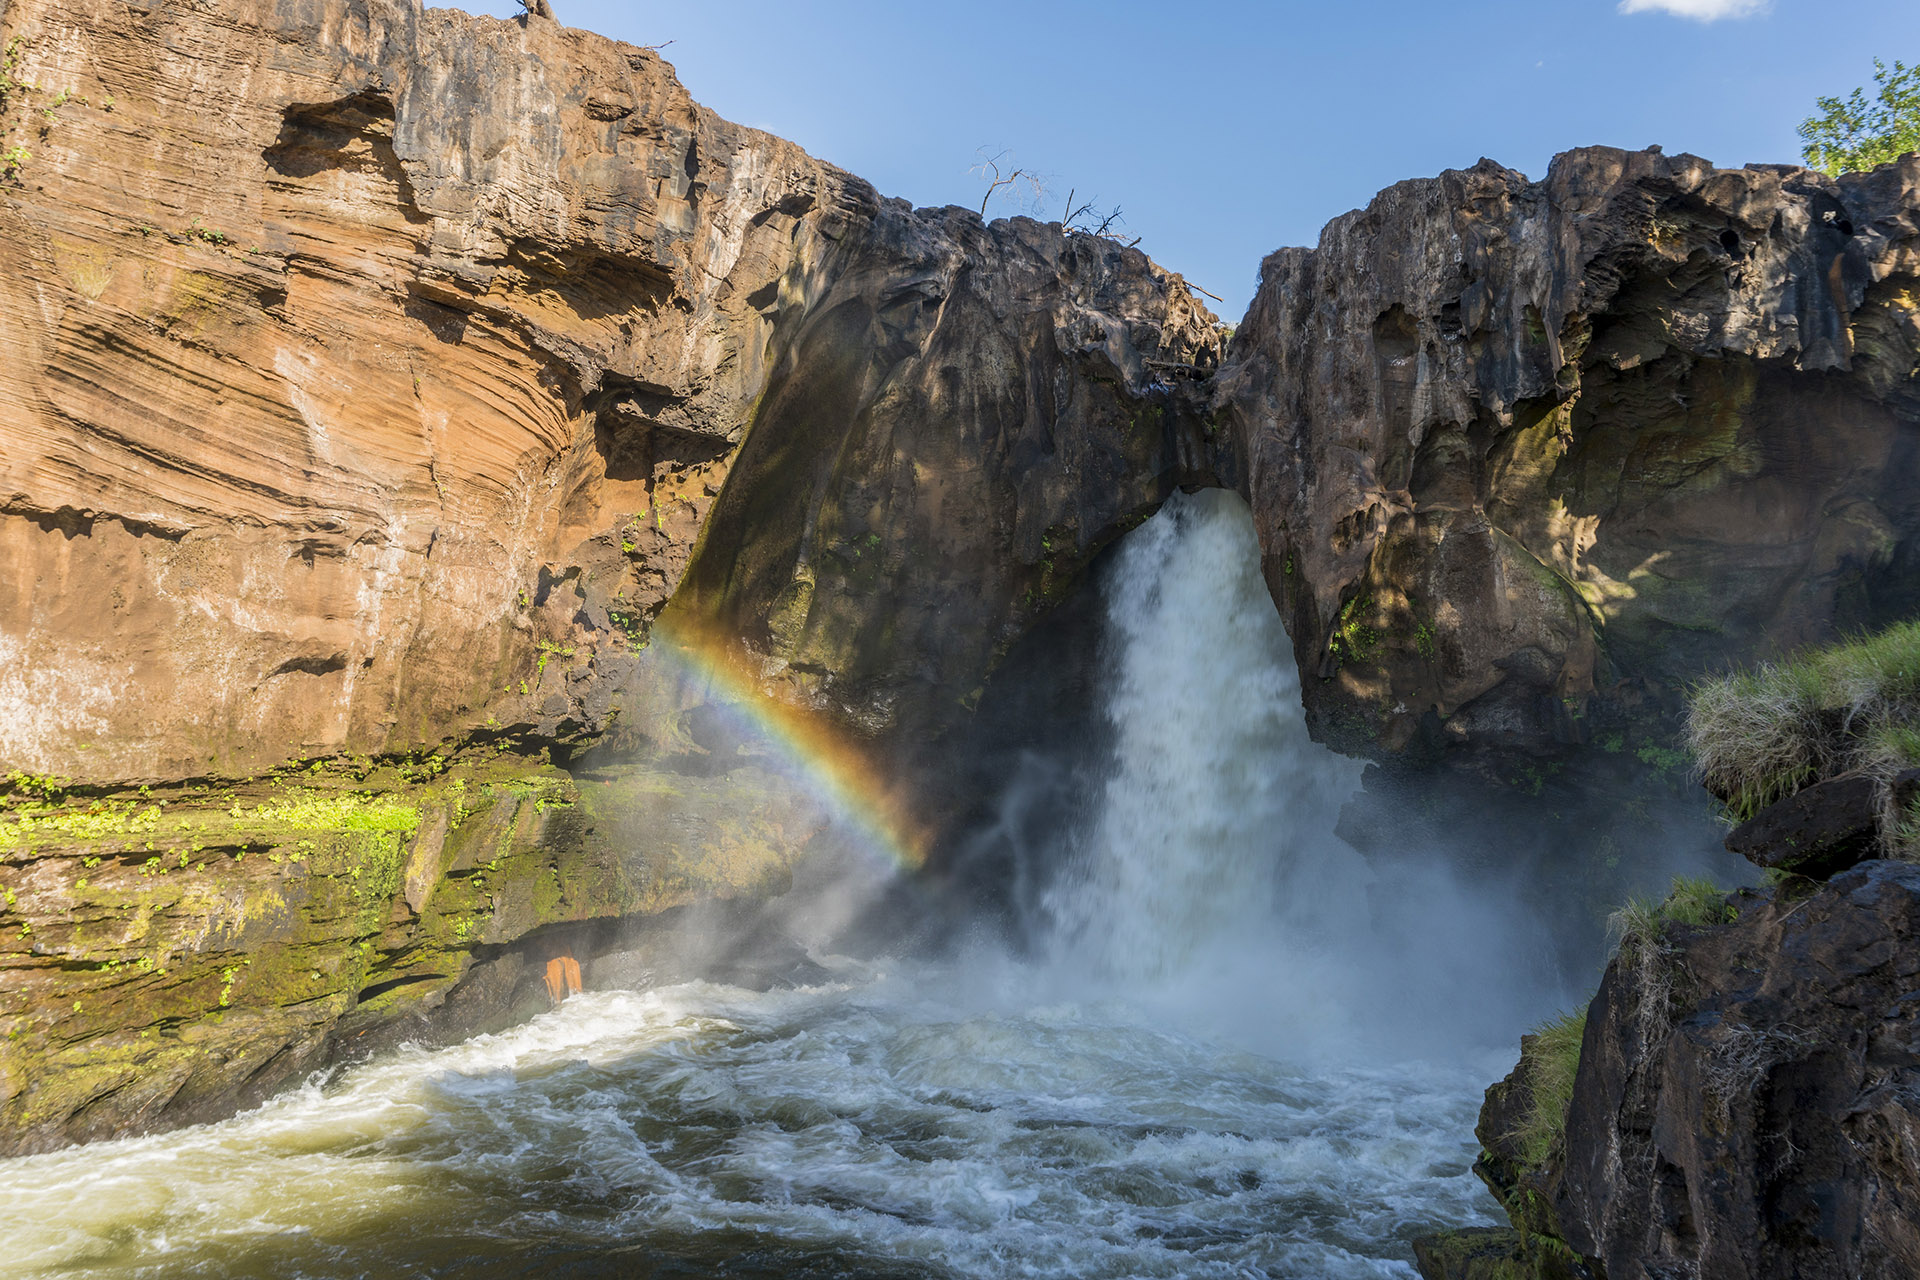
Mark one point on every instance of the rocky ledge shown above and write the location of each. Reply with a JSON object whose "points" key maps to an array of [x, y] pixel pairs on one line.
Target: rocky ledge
{"points": [[178, 952], [1747, 1103]]}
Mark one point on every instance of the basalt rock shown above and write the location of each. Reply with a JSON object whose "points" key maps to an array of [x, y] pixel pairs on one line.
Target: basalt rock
{"points": [[1816, 831], [1526, 456], [1747, 1103]]}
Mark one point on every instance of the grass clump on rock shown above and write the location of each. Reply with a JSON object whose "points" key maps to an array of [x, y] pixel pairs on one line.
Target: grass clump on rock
{"points": [[1549, 1058], [1693, 900], [1850, 708]]}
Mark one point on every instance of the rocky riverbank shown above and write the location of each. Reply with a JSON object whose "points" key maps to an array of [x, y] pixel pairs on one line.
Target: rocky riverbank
{"points": [[178, 952], [1742, 1097], [453, 406]]}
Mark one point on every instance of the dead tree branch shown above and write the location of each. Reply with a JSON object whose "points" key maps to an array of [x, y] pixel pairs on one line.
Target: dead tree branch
{"points": [[1087, 220], [989, 168]]}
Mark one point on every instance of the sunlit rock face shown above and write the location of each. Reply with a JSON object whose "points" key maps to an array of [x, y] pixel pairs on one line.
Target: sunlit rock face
{"points": [[373, 372], [1525, 456]]}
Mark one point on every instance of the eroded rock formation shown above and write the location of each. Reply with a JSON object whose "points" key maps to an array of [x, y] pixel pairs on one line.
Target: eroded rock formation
{"points": [[1527, 456], [376, 371], [373, 375]]}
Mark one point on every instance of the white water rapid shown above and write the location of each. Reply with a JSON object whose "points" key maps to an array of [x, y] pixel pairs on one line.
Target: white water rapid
{"points": [[1241, 1054]]}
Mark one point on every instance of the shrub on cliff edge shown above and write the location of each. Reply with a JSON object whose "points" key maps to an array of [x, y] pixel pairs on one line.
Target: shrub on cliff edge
{"points": [[1857, 132], [1758, 736]]}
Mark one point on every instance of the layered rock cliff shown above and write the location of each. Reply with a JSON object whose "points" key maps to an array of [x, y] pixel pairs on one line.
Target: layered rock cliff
{"points": [[1528, 456], [377, 371], [376, 374]]}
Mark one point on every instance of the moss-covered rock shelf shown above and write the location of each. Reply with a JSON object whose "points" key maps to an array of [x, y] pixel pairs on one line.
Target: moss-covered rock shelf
{"points": [[169, 953]]}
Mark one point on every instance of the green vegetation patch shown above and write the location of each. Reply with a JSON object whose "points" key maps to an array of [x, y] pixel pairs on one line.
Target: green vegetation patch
{"points": [[305, 809], [1550, 1059], [1693, 901], [1354, 642], [1758, 736], [1858, 132]]}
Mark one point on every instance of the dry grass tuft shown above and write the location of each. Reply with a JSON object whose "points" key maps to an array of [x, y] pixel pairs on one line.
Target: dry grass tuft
{"points": [[1758, 736]]}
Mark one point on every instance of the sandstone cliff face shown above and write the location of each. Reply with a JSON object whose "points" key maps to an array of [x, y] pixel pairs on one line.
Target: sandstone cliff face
{"points": [[377, 371], [375, 375], [1525, 456]]}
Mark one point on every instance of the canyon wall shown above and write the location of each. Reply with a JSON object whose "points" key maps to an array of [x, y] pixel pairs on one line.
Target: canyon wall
{"points": [[1526, 457], [428, 400], [375, 376], [377, 371]]}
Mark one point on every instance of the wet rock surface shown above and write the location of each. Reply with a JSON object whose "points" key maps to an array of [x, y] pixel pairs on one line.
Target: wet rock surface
{"points": [[1527, 456], [171, 956]]}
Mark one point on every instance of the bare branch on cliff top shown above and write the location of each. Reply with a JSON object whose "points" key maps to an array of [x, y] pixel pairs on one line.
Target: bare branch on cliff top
{"points": [[989, 168], [1087, 220]]}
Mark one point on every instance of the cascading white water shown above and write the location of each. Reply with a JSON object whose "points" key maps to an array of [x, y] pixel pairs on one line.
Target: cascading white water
{"points": [[1176, 1089], [1218, 816]]}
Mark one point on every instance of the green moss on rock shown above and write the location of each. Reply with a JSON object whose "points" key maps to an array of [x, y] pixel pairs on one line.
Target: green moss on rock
{"points": [[167, 954]]}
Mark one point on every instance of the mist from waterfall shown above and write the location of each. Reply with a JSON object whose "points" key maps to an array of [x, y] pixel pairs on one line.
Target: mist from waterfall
{"points": [[1231, 1047], [1210, 883]]}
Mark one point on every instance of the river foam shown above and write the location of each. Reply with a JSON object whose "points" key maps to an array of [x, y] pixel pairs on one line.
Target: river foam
{"points": [[891, 1122]]}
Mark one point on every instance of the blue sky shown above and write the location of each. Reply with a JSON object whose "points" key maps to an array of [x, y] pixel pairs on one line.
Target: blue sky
{"points": [[1224, 131]]}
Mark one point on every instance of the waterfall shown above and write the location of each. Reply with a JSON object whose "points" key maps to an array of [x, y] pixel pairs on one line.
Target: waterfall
{"points": [[1189, 1082], [1215, 824]]}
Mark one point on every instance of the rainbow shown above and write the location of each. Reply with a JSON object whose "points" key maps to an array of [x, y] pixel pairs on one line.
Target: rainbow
{"points": [[839, 773]]}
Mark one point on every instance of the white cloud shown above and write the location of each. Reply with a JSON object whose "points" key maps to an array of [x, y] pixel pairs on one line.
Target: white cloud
{"points": [[1698, 10]]}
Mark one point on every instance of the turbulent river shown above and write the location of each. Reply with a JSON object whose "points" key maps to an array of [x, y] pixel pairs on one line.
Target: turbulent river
{"points": [[1233, 1049]]}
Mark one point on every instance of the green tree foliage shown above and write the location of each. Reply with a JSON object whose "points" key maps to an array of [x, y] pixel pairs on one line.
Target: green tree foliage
{"points": [[1858, 132]]}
